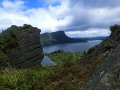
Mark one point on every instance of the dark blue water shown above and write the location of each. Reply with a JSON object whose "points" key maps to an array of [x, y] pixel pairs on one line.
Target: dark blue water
{"points": [[71, 47]]}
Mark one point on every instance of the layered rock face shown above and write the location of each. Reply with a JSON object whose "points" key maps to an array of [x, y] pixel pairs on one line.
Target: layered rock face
{"points": [[29, 51], [107, 75]]}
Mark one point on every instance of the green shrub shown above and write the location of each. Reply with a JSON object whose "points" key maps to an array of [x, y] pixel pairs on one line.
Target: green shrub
{"points": [[8, 39], [114, 27], [3, 57], [61, 57]]}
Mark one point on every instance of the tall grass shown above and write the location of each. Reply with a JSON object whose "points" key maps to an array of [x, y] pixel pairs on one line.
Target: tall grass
{"points": [[67, 75]]}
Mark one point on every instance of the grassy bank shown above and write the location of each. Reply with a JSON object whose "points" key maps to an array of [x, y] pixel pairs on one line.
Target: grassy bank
{"points": [[66, 75], [61, 57], [43, 78]]}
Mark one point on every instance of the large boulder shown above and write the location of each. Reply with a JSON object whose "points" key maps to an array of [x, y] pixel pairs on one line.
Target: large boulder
{"points": [[28, 51]]}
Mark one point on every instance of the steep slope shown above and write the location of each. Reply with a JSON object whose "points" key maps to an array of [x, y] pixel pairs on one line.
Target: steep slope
{"points": [[58, 37], [107, 76], [22, 46], [107, 73], [104, 49]]}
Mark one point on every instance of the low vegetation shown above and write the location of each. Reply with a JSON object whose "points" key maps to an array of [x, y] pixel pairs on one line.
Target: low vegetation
{"points": [[66, 75], [3, 57], [115, 27], [61, 57], [7, 39]]}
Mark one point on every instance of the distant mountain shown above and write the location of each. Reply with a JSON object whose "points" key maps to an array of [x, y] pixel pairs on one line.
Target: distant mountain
{"points": [[58, 37], [94, 38]]}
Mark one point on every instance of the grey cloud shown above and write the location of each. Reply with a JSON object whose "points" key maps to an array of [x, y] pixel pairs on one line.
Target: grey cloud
{"points": [[97, 3], [93, 14]]}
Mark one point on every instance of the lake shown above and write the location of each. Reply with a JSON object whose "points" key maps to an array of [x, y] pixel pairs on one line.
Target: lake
{"points": [[71, 47]]}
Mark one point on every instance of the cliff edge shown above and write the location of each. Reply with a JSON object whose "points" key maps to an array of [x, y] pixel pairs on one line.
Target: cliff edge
{"points": [[107, 73], [22, 46]]}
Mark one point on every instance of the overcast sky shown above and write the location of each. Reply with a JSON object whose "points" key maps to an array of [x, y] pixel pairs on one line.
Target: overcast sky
{"points": [[78, 18]]}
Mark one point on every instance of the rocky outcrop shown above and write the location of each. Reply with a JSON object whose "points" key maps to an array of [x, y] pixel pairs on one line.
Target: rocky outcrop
{"points": [[28, 51], [107, 74], [103, 50]]}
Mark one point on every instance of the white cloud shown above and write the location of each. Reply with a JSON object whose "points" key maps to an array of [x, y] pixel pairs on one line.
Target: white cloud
{"points": [[92, 32], [47, 19], [63, 16], [12, 5]]}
